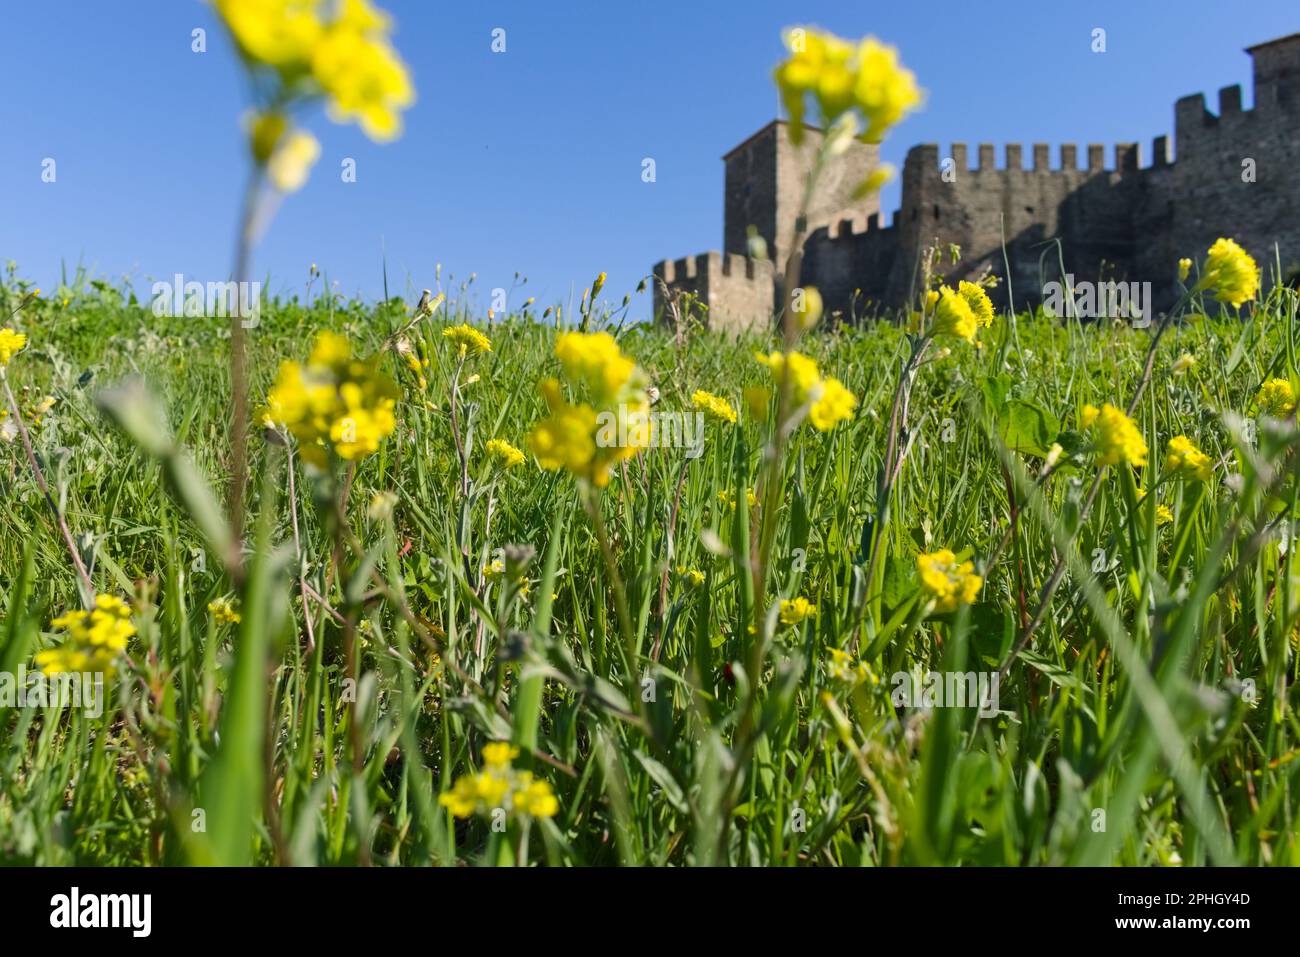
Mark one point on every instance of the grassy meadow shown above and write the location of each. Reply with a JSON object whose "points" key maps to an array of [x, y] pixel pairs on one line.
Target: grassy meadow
{"points": [[662, 705]]}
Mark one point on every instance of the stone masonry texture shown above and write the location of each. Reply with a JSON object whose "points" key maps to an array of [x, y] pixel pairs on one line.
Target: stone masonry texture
{"points": [[1117, 216]]}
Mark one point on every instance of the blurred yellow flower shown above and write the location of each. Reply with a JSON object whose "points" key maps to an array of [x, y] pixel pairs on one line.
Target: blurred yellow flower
{"points": [[841, 77], [1276, 398], [796, 611], [292, 161], [334, 402], [1183, 364], [503, 454], [94, 638], [500, 786], [948, 582], [1184, 269], [1184, 459], [712, 405], [1116, 436], [806, 307], [11, 342], [347, 57], [595, 360], [833, 406], [829, 401], [223, 612]]}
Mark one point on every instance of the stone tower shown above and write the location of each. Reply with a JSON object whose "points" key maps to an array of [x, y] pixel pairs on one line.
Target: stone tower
{"points": [[765, 180]]}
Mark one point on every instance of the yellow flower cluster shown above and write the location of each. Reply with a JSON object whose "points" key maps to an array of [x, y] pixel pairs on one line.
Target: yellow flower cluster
{"points": [[94, 638], [467, 339], [498, 785], [1117, 437], [962, 312], [948, 582], [503, 454], [223, 612], [1184, 269], [841, 76], [589, 440], [796, 611], [693, 577], [595, 360], [1276, 398], [11, 343], [830, 403], [842, 668], [1231, 273], [806, 308], [713, 405], [728, 498], [335, 402], [346, 56], [1184, 459]]}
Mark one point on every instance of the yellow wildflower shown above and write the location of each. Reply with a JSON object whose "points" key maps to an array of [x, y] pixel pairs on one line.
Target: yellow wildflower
{"points": [[806, 307], [499, 754], [841, 668], [1184, 269], [334, 402], [1184, 459], [796, 611], [94, 638], [978, 301], [728, 498], [953, 316], [500, 786], [503, 454], [841, 77], [292, 161], [223, 611], [830, 402], [11, 342], [693, 576], [469, 340], [834, 405], [1183, 363], [1276, 398], [278, 33], [948, 582], [1231, 273], [715, 406], [1116, 436], [595, 360]]}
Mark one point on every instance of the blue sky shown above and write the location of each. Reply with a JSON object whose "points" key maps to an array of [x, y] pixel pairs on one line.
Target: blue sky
{"points": [[530, 160]]}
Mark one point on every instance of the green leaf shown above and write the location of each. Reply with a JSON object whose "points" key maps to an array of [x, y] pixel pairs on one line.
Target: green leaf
{"points": [[1027, 428]]}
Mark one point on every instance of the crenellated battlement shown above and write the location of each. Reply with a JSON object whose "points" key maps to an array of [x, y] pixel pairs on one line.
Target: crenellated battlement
{"points": [[1019, 210], [738, 290], [713, 264], [1124, 157]]}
